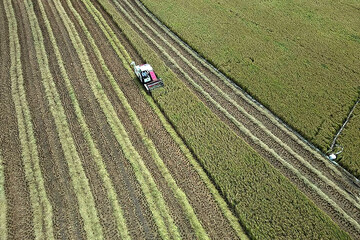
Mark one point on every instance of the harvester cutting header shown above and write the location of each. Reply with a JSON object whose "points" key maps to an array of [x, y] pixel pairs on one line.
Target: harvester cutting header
{"points": [[147, 76]]}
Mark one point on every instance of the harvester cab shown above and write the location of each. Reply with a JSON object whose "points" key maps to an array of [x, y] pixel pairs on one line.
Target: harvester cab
{"points": [[147, 76]]}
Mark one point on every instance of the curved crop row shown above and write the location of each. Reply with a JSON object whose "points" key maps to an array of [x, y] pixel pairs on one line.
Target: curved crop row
{"points": [[230, 172], [80, 182], [244, 112], [3, 202], [243, 129], [180, 195], [41, 207], [152, 194], [112, 196]]}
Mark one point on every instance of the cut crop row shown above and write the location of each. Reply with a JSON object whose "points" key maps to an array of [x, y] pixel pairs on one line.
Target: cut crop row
{"points": [[112, 196], [126, 59], [180, 195], [41, 208], [79, 180], [3, 202], [181, 107], [154, 198]]}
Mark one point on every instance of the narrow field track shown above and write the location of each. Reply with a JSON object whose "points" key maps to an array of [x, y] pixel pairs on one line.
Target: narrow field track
{"points": [[83, 153], [326, 184]]}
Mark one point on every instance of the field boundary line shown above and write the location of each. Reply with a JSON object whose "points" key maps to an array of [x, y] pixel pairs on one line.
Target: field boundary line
{"points": [[112, 196], [257, 141], [180, 195], [153, 196], [80, 182], [249, 99], [3, 202], [243, 111], [42, 209]]}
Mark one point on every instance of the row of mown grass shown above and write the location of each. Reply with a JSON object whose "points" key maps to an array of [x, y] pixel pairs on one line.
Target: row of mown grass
{"points": [[264, 201], [3, 202], [293, 57], [41, 207], [254, 120], [126, 59], [178, 193], [156, 202], [111, 193], [79, 180]]}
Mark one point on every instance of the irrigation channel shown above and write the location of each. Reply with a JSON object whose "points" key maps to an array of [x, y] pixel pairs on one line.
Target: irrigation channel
{"points": [[85, 155], [331, 188]]}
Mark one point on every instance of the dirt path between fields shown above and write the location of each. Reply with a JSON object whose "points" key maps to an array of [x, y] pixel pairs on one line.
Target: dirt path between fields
{"points": [[331, 180]]}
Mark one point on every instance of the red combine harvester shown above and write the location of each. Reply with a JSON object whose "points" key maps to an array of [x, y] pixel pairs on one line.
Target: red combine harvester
{"points": [[147, 76]]}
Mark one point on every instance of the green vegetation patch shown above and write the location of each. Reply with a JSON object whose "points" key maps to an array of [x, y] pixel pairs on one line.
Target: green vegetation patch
{"points": [[265, 202], [297, 58]]}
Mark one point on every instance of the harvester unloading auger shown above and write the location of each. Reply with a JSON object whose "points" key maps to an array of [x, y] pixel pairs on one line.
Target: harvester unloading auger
{"points": [[147, 76]]}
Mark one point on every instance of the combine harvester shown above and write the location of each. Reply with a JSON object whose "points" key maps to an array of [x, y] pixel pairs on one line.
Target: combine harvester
{"points": [[147, 76]]}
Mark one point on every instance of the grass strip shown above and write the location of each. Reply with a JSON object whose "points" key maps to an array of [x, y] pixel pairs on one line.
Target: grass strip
{"points": [[3, 202], [80, 182], [256, 140], [153, 196], [111, 193], [41, 207], [179, 194], [243, 177]]}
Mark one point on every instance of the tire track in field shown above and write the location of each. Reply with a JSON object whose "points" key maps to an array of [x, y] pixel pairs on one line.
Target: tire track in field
{"points": [[142, 174], [111, 193], [42, 210], [317, 193], [80, 182], [180, 195]]}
